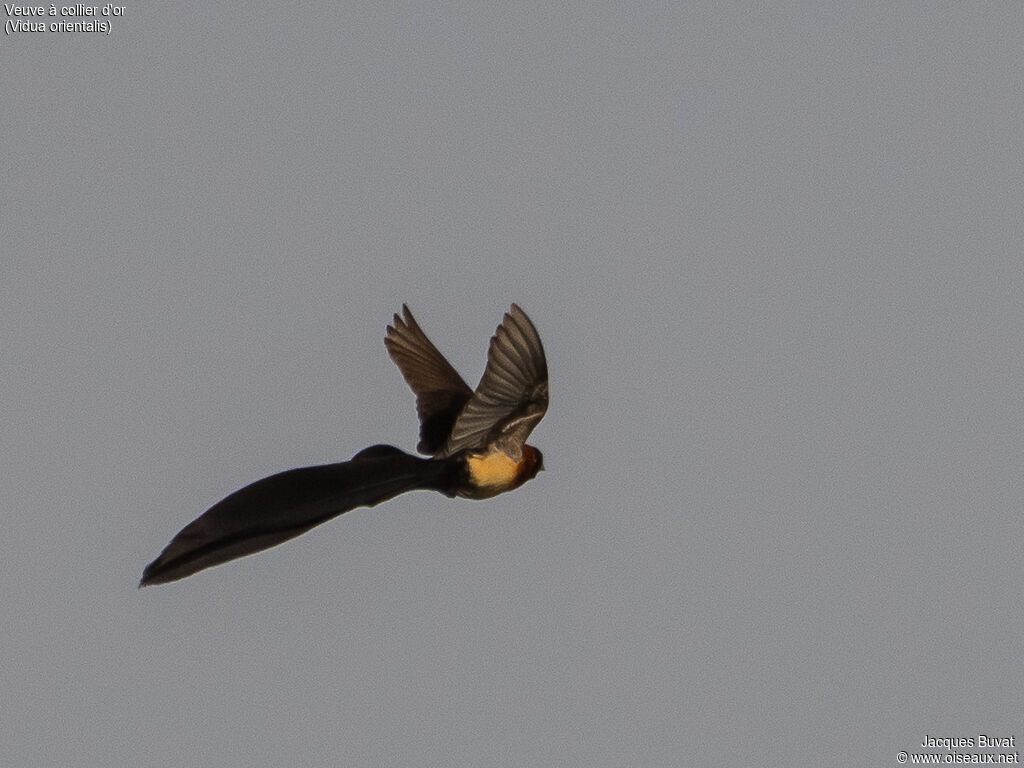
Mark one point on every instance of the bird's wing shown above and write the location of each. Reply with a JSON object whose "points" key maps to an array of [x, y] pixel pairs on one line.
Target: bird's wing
{"points": [[512, 395], [283, 506], [440, 392]]}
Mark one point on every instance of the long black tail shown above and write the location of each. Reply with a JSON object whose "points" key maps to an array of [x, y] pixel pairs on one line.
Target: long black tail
{"points": [[285, 505]]}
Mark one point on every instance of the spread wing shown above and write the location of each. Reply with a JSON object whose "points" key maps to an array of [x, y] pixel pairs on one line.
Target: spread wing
{"points": [[512, 396], [440, 392]]}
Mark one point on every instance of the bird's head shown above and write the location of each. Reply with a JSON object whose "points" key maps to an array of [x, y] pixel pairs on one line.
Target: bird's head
{"points": [[533, 462]]}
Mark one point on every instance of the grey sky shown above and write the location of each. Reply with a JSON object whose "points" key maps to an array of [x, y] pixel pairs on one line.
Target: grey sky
{"points": [[775, 258]]}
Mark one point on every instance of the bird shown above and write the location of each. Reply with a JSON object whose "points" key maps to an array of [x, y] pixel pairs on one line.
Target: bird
{"points": [[474, 441]]}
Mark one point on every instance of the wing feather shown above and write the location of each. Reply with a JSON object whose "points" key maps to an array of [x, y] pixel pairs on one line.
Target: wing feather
{"points": [[512, 395], [440, 392]]}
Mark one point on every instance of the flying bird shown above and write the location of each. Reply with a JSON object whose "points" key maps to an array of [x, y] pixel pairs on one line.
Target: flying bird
{"points": [[475, 440]]}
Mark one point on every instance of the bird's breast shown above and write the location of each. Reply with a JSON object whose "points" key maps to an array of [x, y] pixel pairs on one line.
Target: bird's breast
{"points": [[491, 473]]}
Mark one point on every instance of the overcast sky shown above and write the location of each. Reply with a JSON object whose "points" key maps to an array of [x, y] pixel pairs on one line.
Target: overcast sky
{"points": [[775, 256]]}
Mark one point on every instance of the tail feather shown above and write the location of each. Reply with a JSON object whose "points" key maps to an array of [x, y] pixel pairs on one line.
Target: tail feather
{"points": [[283, 506]]}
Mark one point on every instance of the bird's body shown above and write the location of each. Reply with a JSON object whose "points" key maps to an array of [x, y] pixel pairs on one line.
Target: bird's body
{"points": [[495, 472], [476, 441]]}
